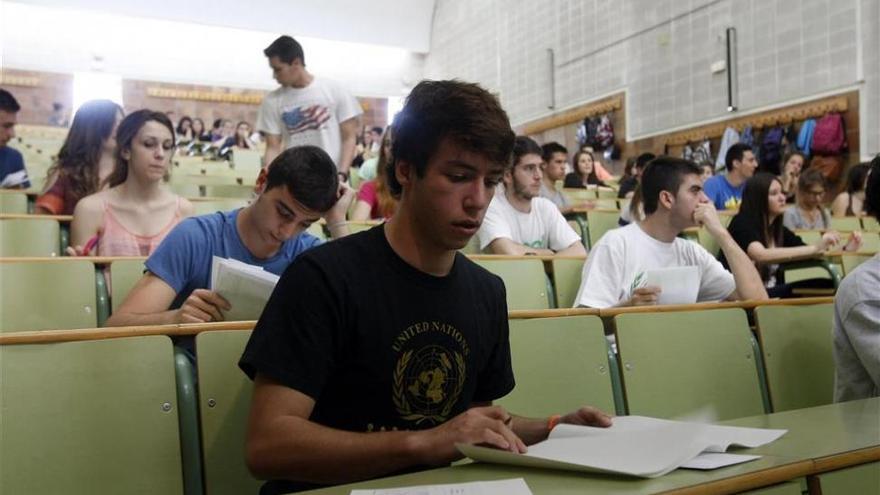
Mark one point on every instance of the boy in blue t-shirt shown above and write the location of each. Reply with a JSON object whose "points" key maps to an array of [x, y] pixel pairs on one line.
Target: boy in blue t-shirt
{"points": [[726, 190], [12, 171], [301, 186]]}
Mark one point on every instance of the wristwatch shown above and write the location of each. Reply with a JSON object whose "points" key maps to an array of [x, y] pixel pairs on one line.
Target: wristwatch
{"points": [[343, 176]]}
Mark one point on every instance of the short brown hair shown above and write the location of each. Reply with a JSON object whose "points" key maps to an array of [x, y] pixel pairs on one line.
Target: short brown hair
{"points": [[435, 110]]}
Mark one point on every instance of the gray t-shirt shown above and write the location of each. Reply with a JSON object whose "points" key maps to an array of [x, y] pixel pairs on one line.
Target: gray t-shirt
{"points": [[857, 334], [795, 220], [557, 197]]}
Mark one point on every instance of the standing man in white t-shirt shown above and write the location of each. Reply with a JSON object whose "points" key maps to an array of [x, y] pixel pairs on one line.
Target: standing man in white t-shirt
{"points": [[518, 220], [306, 110], [673, 199]]}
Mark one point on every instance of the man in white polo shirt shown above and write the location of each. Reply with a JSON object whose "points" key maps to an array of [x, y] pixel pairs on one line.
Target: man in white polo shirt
{"points": [[518, 220]]}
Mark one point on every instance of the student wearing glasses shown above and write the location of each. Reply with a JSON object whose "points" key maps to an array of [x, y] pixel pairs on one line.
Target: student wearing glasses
{"points": [[808, 212]]}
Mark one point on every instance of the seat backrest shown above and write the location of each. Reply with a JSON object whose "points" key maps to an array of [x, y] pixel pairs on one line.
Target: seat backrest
{"points": [[206, 207], [239, 191], [559, 364], [123, 275], [685, 362], [13, 202], [525, 281], [870, 224], [846, 223], [224, 404], [870, 242], [39, 237], [51, 294], [247, 159], [799, 363], [849, 262], [707, 241], [599, 222], [90, 417], [567, 280], [864, 478]]}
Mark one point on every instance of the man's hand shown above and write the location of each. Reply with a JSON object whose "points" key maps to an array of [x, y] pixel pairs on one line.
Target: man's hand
{"points": [[345, 196], [202, 306], [706, 216], [587, 416], [645, 296], [479, 425]]}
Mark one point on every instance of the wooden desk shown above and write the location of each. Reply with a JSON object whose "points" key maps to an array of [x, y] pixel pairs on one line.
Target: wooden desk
{"points": [[819, 439]]}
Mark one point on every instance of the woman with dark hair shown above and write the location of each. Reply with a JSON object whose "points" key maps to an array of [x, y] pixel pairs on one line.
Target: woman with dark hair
{"points": [[584, 172], [850, 203], [759, 231], [808, 212], [133, 216], [85, 160], [185, 130], [199, 131], [374, 200]]}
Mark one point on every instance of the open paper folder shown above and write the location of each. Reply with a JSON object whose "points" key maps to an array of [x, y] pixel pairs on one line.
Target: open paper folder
{"points": [[246, 287], [633, 446]]}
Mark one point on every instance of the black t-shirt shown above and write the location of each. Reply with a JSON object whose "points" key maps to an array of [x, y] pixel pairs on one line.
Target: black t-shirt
{"points": [[574, 181], [380, 345], [745, 231], [627, 185]]}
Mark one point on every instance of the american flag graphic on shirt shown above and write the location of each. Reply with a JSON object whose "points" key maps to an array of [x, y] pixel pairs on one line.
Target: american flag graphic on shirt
{"points": [[302, 119]]}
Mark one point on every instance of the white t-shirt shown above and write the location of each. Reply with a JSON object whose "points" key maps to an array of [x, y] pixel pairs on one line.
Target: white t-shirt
{"points": [[309, 115], [617, 264], [543, 227]]}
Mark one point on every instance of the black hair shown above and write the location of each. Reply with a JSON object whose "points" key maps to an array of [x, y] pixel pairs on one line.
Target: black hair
{"points": [[809, 178], [309, 174], [8, 102], [664, 173], [436, 110], [755, 208], [218, 123], [855, 179], [286, 49], [735, 153], [125, 134], [550, 148], [872, 191], [378, 130], [643, 160], [185, 118], [522, 146]]}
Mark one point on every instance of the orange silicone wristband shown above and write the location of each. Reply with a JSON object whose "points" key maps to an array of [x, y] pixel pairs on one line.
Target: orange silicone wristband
{"points": [[552, 422]]}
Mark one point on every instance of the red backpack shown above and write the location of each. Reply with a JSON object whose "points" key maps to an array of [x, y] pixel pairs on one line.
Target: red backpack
{"points": [[829, 137]]}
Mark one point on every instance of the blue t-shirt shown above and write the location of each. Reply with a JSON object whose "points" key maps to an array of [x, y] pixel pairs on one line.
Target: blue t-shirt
{"points": [[183, 259], [724, 195], [12, 171]]}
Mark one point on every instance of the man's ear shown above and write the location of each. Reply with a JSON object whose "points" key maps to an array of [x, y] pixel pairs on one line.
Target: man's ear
{"points": [[666, 199], [403, 172], [260, 186], [507, 177]]}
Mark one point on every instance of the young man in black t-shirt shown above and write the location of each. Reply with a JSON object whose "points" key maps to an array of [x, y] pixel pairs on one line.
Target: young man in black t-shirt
{"points": [[378, 353]]}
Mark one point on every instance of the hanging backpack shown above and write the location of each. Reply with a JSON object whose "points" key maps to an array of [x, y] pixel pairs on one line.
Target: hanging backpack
{"points": [[829, 137], [591, 129], [702, 153], [771, 150], [604, 133], [805, 137]]}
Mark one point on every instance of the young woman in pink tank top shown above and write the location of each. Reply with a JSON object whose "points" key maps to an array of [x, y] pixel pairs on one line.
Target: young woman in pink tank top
{"points": [[133, 216]]}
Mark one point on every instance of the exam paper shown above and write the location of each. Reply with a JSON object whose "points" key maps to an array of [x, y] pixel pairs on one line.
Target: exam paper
{"points": [[678, 284], [500, 487], [246, 287]]}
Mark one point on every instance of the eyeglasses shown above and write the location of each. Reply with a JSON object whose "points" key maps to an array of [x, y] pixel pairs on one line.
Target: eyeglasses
{"points": [[817, 194]]}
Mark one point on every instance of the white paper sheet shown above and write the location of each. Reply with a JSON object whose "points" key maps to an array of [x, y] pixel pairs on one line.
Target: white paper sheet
{"points": [[633, 445], [246, 287], [500, 487], [678, 284], [711, 460]]}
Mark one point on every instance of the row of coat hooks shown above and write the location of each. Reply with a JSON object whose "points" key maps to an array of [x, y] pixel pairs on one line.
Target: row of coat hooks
{"points": [[770, 118], [574, 115]]}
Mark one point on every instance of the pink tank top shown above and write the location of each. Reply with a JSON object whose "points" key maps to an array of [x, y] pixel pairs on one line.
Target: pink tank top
{"points": [[116, 240]]}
